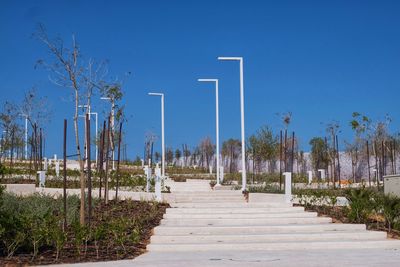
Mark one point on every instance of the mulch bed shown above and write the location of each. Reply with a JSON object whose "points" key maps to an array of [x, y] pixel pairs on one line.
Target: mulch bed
{"points": [[338, 215], [18, 181], [107, 252]]}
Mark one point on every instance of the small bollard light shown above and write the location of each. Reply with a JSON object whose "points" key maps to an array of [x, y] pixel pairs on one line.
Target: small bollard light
{"points": [[158, 183], [309, 177], [147, 172], [322, 173], [57, 168], [221, 174], [288, 187], [42, 178], [45, 161]]}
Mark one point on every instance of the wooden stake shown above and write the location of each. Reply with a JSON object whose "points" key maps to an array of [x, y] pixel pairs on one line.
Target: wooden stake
{"points": [[65, 174], [369, 167], [89, 169], [118, 160], [284, 152], [280, 163], [338, 160], [107, 163]]}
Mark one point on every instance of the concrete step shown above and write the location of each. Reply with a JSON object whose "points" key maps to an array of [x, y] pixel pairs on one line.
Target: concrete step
{"points": [[254, 238], [221, 193], [207, 195], [267, 229], [270, 246], [214, 215], [243, 222], [208, 205], [208, 200], [175, 190], [233, 210]]}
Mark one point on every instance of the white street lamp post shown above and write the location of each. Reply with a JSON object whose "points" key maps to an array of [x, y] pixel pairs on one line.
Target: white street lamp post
{"points": [[240, 59], [216, 122], [162, 132], [84, 117], [95, 113]]}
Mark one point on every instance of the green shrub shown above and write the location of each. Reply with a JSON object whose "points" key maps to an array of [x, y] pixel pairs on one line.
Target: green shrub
{"points": [[98, 234], [30, 223], [57, 238], [268, 188], [2, 170], [389, 206], [81, 236], [361, 204]]}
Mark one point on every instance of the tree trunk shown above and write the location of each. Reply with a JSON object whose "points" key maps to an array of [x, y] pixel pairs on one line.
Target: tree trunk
{"points": [[106, 189], [81, 163]]}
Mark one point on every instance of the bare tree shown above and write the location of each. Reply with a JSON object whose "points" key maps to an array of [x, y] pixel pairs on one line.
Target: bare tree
{"points": [[36, 108], [207, 149], [230, 152], [8, 123], [67, 71], [186, 154], [178, 155], [169, 155]]}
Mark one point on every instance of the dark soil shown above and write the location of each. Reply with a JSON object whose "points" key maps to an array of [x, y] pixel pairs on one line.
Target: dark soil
{"points": [[148, 214]]}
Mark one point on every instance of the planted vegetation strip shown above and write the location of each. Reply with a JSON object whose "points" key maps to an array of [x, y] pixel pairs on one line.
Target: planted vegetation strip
{"points": [[32, 232], [366, 205]]}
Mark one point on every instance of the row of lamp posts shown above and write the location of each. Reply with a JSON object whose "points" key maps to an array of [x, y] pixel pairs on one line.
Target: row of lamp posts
{"points": [[240, 59]]}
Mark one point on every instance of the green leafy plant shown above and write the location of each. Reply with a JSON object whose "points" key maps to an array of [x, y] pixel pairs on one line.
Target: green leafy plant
{"points": [[81, 234], [98, 234], [389, 205], [361, 204], [58, 238]]}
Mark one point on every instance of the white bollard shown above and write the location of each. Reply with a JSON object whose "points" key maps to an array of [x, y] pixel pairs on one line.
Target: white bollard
{"points": [[210, 168], [309, 177], [288, 187], [57, 168], [147, 181], [142, 162], [221, 174], [375, 171], [42, 178], [322, 172], [45, 164], [147, 172], [158, 183]]}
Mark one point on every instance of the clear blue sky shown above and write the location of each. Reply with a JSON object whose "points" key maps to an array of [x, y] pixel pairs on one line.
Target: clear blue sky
{"points": [[321, 60]]}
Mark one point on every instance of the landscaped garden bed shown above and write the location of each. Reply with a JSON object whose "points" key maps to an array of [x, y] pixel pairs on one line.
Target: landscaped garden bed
{"points": [[32, 229], [371, 207]]}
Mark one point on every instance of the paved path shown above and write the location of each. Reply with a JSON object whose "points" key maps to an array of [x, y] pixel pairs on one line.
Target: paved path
{"points": [[219, 228]]}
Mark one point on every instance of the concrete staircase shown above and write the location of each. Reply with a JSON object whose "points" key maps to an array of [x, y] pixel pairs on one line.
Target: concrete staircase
{"points": [[223, 221], [191, 185]]}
